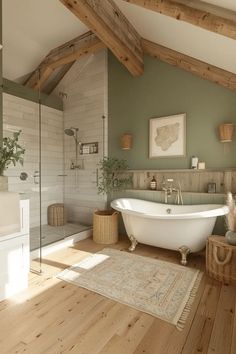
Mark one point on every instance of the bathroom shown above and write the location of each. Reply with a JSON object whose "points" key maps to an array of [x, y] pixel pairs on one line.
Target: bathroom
{"points": [[74, 118], [81, 101]]}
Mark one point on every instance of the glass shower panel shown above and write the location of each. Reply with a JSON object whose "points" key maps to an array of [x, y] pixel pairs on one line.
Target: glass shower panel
{"points": [[53, 216], [23, 115]]}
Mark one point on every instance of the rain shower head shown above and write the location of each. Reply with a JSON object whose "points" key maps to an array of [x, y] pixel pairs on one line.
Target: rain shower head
{"points": [[73, 132], [70, 131]]}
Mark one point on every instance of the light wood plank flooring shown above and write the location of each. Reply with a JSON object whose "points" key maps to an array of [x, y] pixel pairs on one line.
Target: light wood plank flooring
{"points": [[57, 317]]}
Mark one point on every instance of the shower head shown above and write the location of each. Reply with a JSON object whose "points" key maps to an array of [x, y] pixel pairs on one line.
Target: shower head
{"points": [[72, 132], [69, 131]]}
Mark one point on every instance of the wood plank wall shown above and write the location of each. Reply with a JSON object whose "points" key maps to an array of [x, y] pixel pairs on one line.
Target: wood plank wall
{"points": [[190, 181]]}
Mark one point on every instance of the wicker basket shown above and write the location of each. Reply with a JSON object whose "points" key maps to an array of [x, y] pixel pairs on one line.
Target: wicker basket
{"points": [[105, 227], [126, 141], [221, 260], [56, 214], [226, 131]]}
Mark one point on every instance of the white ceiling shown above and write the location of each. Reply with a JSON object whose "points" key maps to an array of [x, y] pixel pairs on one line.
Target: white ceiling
{"points": [[31, 28], [182, 36]]}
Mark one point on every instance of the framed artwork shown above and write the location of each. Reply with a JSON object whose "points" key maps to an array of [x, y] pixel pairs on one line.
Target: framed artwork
{"points": [[211, 188], [167, 136]]}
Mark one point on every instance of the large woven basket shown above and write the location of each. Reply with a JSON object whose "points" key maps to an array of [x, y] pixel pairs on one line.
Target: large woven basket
{"points": [[56, 214], [105, 227], [221, 260]]}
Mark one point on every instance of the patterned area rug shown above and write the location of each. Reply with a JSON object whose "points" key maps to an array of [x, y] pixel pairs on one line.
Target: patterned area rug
{"points": [[162, 289]]}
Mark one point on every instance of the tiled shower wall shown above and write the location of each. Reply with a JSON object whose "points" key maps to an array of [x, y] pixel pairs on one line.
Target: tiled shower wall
{"points": [[21, 114], [84, 92]]}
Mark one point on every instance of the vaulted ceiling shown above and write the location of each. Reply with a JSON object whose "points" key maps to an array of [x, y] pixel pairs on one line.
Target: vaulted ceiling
{"points": [[32, 28]]}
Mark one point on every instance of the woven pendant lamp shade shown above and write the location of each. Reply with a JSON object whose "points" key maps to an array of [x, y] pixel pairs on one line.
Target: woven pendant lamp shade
{"points": [[126, 141], [226, 131]]}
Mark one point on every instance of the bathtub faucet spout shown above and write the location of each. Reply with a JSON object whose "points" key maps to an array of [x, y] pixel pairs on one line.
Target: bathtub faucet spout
{"points": [[169, 190]]}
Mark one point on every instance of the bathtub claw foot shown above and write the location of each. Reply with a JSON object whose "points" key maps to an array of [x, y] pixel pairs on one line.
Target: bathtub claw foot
{"points": [[184, 251], [134, 243]]}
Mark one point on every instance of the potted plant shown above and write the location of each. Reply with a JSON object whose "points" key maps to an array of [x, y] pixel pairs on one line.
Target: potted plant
{"points": [[231, 220], [112, 178], [10, 153]]}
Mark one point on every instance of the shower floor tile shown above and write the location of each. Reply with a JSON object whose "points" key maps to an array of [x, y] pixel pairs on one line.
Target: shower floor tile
{"points": [[52, 234]]}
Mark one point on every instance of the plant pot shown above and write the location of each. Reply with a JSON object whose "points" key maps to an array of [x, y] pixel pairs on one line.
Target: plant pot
{"points": [[105, 227], [231, 237], [3, 183]]}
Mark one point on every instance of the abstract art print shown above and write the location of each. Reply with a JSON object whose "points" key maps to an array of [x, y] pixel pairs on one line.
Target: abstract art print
{"points": [[167, 136]]}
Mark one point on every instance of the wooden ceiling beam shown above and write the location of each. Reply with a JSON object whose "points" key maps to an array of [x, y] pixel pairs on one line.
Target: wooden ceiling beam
{"points": [[85, 44], [192, 65], [49, 87], [107, 21], [65, 54], [184, 10]]}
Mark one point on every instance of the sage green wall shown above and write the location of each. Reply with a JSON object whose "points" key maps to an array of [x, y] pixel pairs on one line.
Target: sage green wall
{"points": [[161, 91]]}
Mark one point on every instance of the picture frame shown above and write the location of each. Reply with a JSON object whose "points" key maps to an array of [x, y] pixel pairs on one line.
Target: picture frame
{"points": [[211, 187], [167, 136]]}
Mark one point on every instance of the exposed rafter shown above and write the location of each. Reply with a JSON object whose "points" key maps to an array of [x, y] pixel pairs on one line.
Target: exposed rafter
{"points": [[196, 67], [65, 54], [49, 87], [107, 21], [199, 17]]}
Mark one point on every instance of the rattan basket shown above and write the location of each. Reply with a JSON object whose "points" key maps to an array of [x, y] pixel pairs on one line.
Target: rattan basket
{"points": [[221, 260], [56, 214], [226, 131], [105, 227]]}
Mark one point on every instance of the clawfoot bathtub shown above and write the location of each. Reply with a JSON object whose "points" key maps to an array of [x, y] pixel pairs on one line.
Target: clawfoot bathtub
{"points": [[176, 227]]}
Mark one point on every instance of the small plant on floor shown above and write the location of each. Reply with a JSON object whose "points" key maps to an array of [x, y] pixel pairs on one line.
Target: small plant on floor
{"points": [[113, 175], [11, 152]]}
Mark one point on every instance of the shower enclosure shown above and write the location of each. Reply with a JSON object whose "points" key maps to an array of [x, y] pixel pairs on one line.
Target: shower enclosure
{"points": [[63, 149], [46, 175]]}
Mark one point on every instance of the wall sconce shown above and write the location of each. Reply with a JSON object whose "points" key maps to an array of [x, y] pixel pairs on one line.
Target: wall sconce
{"points": [[226, 131], [126, 141]]}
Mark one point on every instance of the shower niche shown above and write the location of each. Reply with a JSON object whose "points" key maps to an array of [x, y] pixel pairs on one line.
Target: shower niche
{"points": [[88, 148]]}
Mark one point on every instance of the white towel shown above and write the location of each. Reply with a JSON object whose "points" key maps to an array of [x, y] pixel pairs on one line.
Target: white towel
{"points": [[9, 213]]}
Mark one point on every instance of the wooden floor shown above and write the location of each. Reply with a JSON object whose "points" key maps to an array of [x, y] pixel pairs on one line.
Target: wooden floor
{"points": [[57, 317]]}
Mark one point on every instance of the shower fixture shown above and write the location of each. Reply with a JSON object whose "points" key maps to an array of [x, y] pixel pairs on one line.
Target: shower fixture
{"points": [[72, 131]]}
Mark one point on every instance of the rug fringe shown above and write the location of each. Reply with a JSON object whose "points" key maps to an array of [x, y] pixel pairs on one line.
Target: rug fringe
{"points": [[183, 318]]}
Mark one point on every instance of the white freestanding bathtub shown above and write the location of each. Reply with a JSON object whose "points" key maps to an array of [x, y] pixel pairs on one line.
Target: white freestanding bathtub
{"points": [[175, 227]]}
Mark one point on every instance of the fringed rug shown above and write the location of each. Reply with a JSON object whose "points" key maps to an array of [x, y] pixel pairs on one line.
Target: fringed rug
{"points": [[161, 289]]}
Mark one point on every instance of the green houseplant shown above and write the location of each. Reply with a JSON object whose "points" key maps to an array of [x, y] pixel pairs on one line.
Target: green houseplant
{"points": [[112, 178], [11, 153]]}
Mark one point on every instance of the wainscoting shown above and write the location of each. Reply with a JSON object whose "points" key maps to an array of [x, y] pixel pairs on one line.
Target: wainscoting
{"points": [[190, 180]]}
